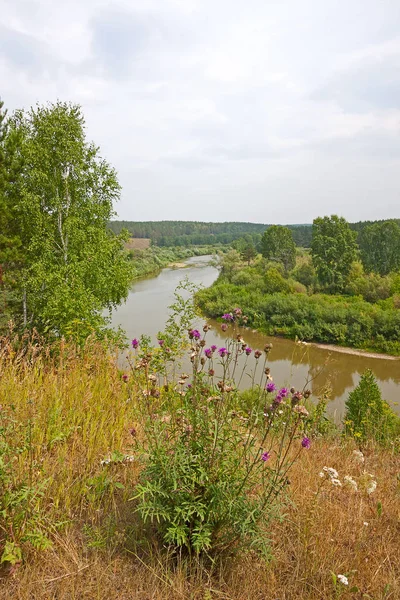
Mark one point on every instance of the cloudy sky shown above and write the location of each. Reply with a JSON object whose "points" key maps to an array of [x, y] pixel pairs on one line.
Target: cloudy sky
{"points": [[252, 110]]}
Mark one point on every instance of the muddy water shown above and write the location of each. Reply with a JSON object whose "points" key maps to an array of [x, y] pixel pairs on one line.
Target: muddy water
{"points": [[146, 311]]}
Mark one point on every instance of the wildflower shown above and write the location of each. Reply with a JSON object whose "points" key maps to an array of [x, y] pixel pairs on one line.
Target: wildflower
{"points": [[278, 399], [306, 442], [283, 392], [301, 410], [371, 487], [265, 456], [224, 326], [135, 343], [257, 354], [297, 396], [213, 348], [350, 482], [211, 372], [194, 334], [133, 432], [129, 458], [222, 352], [365, 524], [228, 317], [343, 579], [125, 377], [336, 482], [208, 352], [206, 327], [358, 456], [161, 343], [267, 348], [332, 473], [270, 387], [105, 461], [248, 350], [238, 312]]}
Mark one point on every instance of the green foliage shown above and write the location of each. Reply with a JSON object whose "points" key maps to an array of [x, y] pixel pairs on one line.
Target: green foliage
{"points": [[333, 250], [212, 473], [330, 319], [189, 233], [71, 266], [305, 274], [274, 282], [380, 247], [277, 245], [20, 523], [368, 416]]}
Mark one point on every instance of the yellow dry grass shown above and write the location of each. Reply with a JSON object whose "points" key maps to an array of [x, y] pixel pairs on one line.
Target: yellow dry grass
{"points": [[80, 412]]}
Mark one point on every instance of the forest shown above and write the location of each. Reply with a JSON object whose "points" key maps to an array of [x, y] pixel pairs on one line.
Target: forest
{"points": [[187, 233]]}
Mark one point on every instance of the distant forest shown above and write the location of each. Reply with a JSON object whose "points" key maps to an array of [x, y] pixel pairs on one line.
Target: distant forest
{"points": [[188, 233]]}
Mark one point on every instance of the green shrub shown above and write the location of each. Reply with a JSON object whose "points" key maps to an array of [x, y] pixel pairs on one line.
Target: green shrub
{"points": [[213, 472], [368, 416]]}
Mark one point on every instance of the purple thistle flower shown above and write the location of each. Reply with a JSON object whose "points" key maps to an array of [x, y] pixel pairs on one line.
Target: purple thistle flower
{"points": [[228, 317], [213, 348], [283, 392], [208, 352], [135, 343], [222, 352], [278, 398], [194, 334], [161, 342], [265, 456], [248, 350], [189, 385], [238, 312], [270, 387], [306, 442], [125, 377]]}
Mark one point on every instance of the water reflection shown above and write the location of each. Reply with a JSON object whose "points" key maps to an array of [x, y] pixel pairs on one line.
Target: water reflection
{"points": [[146, 311]]}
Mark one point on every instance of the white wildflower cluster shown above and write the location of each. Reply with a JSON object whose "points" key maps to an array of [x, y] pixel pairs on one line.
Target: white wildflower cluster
{"points": [[127, 458], [366, 481], [351, 483], [331, 474], [343, 579]]}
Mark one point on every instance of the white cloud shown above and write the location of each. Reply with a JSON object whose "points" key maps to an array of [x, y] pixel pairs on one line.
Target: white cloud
{"points": [[223, 109]]}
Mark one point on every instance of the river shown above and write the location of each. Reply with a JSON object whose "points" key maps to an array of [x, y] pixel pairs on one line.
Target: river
{"points": [[146, 311]]}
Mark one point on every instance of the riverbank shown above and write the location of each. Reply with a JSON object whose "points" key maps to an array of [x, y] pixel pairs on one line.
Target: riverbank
{"points": [[152, 260], [329, 320], [355, 352]]}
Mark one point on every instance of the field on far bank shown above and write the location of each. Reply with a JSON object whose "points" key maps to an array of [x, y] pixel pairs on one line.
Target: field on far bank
{"points": [[138, 243]]}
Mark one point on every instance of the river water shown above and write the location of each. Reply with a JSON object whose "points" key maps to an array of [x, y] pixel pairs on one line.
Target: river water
{"points": [[146, 311]]}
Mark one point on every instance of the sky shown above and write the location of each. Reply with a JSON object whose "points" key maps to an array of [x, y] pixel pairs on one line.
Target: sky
{"points": [[269, 111]]}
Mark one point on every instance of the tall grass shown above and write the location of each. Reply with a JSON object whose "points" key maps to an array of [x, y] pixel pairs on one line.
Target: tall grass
{"points": [[73, 410]]}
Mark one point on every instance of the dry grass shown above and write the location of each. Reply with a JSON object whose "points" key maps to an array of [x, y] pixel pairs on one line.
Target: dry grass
{"points": [[80, 412]]}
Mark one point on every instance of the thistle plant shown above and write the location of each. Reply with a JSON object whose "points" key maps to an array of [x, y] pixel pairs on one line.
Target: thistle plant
{"points": [[213, 471]]}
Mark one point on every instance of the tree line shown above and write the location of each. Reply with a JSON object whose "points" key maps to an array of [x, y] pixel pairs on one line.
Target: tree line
{"points": [[189, 233], [335, 247]]}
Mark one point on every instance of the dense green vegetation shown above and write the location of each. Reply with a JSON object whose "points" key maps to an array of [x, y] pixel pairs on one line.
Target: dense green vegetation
{"points": [[61, 265], [304, 302], [151, 260], [187, 233]]}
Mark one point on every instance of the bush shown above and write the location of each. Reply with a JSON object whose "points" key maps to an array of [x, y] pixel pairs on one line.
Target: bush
{"points": [[213, 473], [368, 416]]}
